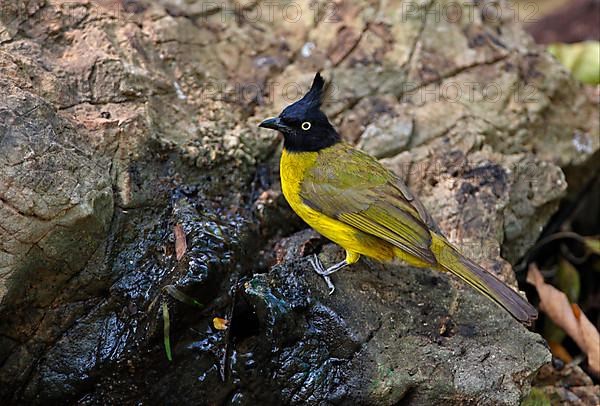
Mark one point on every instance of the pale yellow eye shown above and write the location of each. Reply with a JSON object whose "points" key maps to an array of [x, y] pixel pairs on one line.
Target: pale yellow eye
{"points": [[306, 126]]}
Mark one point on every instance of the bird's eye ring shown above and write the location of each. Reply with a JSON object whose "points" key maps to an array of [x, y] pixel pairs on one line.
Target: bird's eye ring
{"points": [[306, 126]]}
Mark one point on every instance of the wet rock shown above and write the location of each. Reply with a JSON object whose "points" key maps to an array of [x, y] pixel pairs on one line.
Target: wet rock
{"points": [[388, 334], [129, 319]]}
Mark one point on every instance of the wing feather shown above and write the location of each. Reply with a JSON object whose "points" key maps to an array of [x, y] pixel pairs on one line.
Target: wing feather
{"points": [[351, 186]]}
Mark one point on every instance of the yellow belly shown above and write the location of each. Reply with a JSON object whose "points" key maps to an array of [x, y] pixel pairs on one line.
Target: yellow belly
{"points": [[293, 166]]}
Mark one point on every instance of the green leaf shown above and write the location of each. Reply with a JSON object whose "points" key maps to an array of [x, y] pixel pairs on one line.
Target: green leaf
{"points": [[552, 332], [567, 280], [582, 59], [182, 297], [593, 244], [166, 331], [536, 397]]}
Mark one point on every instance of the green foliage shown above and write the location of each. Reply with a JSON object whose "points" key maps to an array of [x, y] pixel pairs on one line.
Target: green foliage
{"points": [[552, 332], [167, 331], [536, 397], [182, 297], [582, 59], [567, 280], [593, 244]]}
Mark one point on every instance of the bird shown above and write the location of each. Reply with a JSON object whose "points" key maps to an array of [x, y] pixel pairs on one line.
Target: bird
{"points": [[350, 198]]}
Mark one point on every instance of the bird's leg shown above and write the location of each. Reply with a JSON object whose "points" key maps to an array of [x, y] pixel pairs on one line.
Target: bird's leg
{"points": [[320, 269], [333, 268]]}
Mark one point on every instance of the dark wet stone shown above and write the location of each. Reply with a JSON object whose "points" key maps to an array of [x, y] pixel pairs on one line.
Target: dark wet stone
{"points": [[388, 333], [129, 319]]}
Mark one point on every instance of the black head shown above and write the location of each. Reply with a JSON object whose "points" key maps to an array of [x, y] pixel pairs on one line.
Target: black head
{"points": [[303, 125]]}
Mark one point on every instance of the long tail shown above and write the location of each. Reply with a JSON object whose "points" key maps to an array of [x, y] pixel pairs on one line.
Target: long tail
{"points": [[482, 281]]}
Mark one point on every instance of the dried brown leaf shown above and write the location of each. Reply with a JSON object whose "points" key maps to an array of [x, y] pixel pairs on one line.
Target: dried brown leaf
{"points": [[180, 241], [569, 317]]}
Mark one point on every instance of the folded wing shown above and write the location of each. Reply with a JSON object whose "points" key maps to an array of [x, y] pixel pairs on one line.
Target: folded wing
{"points": [[352, 187]]}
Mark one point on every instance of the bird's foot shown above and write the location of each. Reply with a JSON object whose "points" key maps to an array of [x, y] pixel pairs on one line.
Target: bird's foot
{"points": [[320, 269]]}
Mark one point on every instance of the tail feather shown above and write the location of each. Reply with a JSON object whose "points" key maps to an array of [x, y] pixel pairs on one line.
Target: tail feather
{"points": [[482, 281]]}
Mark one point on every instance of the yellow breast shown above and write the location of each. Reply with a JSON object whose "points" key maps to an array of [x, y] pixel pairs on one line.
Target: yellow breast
{"points": [[292, 170]]}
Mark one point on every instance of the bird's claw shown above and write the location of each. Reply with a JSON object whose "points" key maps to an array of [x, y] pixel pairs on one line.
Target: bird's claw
{"points": [[330, 284], [320, 269]]}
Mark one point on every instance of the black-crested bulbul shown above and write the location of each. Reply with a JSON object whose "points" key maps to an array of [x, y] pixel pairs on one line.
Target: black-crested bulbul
{"points": [[349, 197]]}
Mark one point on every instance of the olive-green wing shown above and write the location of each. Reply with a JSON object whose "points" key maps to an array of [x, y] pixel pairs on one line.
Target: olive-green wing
{"points": [[351, 186]]}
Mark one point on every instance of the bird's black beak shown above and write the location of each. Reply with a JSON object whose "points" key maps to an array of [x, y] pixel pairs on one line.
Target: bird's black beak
{"points": [[274, 123]]}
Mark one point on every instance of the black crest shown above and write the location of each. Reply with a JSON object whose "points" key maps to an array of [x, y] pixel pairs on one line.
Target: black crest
{"points": [[304, 126]]}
